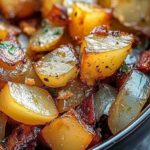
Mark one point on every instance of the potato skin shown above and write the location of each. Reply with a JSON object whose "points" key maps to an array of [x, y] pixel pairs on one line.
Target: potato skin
{"points": [[18, 8], [85, 17]]}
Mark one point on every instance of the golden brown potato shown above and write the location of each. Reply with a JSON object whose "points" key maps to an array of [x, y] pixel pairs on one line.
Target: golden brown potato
{"points": [[46, 38], [18, 8], [27, 104], [8, 31], [58, 15], [85, 17], [3, 32], [102, 54], [67, 133], [58, 67], [47, 5]]}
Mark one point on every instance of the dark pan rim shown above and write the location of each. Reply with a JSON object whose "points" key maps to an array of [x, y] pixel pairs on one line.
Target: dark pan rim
{"points": [[126, 132]]}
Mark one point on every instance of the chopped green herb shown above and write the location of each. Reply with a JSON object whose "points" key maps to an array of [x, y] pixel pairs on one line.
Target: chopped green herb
{"points": [[53, 92], [10, 47], [57, 32], [45, 30], [124, 68]]}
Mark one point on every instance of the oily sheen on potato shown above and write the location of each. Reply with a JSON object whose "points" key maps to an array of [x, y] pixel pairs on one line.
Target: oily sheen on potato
{"points": [[102, 53], [67, 133], [27, 104], [46, 38], [58, 67]]}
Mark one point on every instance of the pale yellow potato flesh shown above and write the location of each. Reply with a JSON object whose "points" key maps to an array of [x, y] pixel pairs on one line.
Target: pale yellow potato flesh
{"points": [[57, 68], [27, 104], [46, 38], [67, 133]]}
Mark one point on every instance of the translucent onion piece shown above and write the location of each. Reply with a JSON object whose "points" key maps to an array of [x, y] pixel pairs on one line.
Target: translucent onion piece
{"points": [[103, 100], [130, 101]]}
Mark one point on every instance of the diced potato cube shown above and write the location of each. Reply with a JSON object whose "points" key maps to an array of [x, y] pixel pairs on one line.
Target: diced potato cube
{"points": [[102, 54], [47, 6], [58, 67], [67, 133], [85, 17], [18, 8], [27, 104], [46, 38]]}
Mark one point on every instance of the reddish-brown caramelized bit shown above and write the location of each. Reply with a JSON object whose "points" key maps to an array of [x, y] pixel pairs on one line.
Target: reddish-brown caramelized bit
{"points": [[86, 110], [101, 30], [58, 15], [96, 140], [23, 137], [120, 79], [2, 84], [143, 63]]}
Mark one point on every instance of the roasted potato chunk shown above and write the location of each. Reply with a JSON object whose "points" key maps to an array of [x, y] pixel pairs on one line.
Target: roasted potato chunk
{"points": [[3, 33], [27, 104], [67, 133], [102, 53], [58, 67], [46, 38], [85, 17], [47, 6], [18, 8]]}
